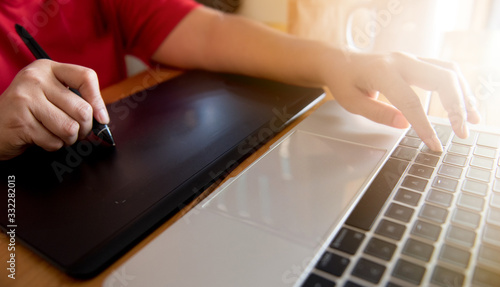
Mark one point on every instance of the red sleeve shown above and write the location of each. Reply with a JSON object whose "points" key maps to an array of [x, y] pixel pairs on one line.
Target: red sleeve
{"points": [[142, 25]]}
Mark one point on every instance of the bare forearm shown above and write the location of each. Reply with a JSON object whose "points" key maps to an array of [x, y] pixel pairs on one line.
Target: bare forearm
{"points": [[228, 43], [208, 40]]}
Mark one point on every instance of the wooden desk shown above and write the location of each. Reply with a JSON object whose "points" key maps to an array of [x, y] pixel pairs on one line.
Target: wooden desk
{"points": [[32, 270]]}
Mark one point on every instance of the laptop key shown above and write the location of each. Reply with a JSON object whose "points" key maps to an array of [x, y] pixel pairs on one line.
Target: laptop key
{"points": [[454, 256], [493, 216], [466, 218], [412, 133], [445, 183], [408, 271], [495, 200], [470, 202], [414, 183], [483, 277], [478, 174], [407, 196], [489, 140], [491, 235], [439, 197], [418, 249], [317, 281], [421, 170], [459, 149], [380, 249], [427, 159], [485, 151], [496, 185], [368, 270], [352, 284], [455, 159], [426, 230], [433, 213], [411, 142], [460, 236], [332, 263], [489, 256], [390, 229], [450, 171], [399, 212], [404, 153], [446, 277], [347, 240], [482, 162], [375, 197], [475, 187]]}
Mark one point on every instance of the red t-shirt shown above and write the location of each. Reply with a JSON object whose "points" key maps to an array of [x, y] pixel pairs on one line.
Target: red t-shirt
{"points": [[92, 33]]}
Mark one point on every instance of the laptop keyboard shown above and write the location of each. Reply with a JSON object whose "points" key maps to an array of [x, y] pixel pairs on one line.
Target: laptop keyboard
{"points": [[427, 219]]}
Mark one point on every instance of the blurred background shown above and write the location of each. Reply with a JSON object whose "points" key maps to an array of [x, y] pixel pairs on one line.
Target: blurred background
{"points": [[466, 32]]}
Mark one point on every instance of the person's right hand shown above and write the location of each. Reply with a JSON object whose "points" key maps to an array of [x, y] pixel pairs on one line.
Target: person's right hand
{"points": [[355, 79], [39, 109]]}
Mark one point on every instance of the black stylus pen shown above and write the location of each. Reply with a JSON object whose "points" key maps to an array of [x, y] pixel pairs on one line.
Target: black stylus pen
{"points": [[100, 130]]}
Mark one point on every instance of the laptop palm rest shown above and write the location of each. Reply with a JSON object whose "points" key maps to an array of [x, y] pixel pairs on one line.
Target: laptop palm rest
{"points": [[300, 188], [265, 225]]}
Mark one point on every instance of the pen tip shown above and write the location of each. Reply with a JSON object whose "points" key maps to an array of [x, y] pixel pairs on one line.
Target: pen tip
{"points": [[105, 135]]}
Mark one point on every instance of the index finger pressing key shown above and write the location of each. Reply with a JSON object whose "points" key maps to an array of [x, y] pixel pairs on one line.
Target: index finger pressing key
{"points": [[406, 100]]}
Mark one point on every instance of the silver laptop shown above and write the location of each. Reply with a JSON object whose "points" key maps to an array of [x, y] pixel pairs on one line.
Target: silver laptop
{"points": [[340, 201]]}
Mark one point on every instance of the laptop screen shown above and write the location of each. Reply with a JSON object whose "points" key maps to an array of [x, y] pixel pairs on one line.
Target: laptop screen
{"points": [[85, 205]]}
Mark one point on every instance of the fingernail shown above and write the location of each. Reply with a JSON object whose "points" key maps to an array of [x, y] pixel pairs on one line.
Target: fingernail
{"points": [[103, 116], [464, 129], [434, 144]]}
